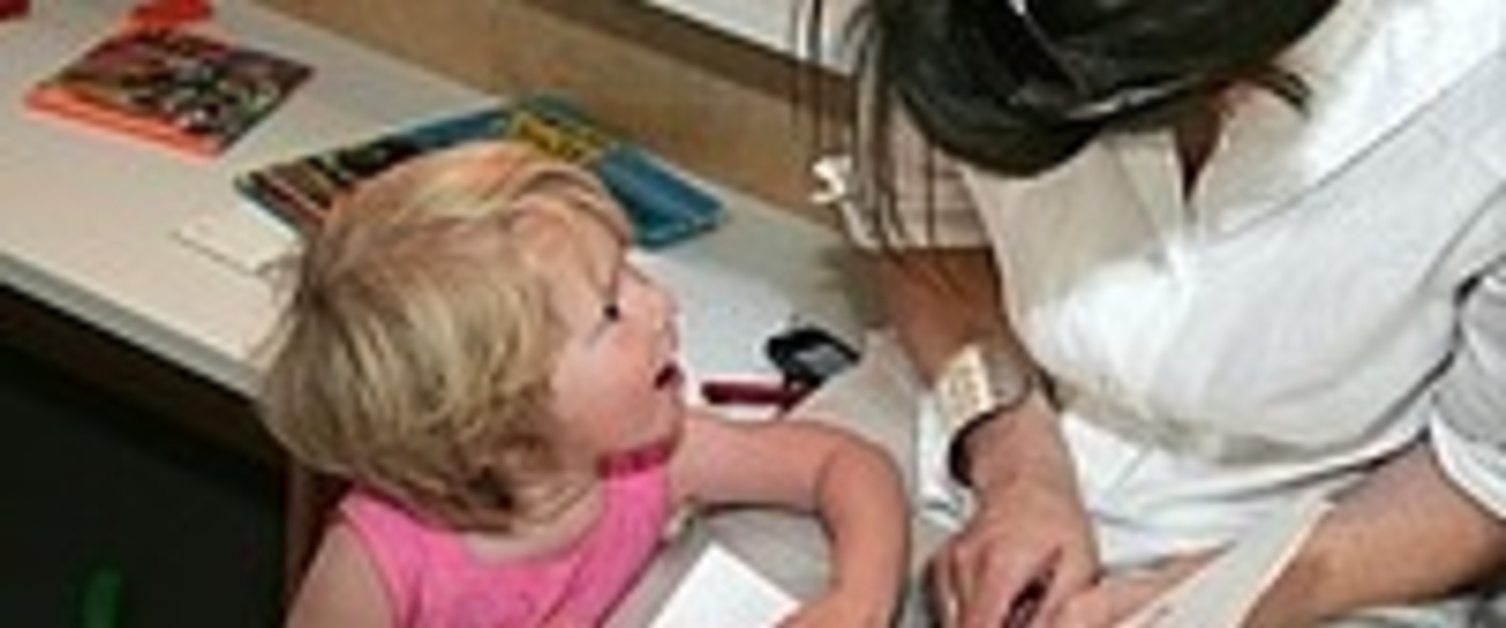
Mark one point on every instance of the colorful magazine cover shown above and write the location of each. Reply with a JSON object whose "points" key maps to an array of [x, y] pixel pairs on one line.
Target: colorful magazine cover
{"points": [[171, 86], [663, 206]]}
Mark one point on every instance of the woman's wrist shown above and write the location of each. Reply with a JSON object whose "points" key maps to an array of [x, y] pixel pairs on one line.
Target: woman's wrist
{"points": [[1023, 445], [980, 384]]}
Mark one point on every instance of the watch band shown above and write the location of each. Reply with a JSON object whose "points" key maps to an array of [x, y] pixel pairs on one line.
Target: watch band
{"points": [[979, 382]]}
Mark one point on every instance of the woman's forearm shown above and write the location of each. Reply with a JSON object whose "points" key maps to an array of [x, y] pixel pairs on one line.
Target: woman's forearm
{"points": [[938, 301], [1026, 444], [1405, 534]]}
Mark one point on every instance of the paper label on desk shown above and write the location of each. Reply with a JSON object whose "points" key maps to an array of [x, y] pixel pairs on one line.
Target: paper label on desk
{"points": [[721, 590], [239, 237], [1224, 591]]}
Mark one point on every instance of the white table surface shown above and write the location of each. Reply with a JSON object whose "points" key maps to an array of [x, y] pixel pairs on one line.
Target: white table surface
{"points": [[87, 218]]}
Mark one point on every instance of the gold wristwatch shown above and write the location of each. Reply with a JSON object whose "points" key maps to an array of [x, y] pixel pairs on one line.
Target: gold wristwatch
{"points": [[978, 383]]}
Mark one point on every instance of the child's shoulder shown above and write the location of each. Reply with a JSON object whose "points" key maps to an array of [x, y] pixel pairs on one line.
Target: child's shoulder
{"points": [[364, 509], [398, 539]]}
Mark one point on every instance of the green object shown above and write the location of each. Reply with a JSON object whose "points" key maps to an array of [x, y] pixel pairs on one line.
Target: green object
{"points": [[102, 599]]}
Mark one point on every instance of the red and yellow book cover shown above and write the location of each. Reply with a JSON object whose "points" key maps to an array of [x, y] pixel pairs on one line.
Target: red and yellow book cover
{"points": [[171, 86]]}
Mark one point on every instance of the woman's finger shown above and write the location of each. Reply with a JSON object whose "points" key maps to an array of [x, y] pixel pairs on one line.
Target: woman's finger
{"points": [[998, 583], [943, 603], [1071, 577]]}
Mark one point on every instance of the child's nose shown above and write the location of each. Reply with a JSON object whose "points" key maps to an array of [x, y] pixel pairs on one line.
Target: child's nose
{"points": [[664, 303]]}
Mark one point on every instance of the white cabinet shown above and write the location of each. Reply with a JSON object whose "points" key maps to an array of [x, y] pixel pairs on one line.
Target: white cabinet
{"points": [[779, 25]]}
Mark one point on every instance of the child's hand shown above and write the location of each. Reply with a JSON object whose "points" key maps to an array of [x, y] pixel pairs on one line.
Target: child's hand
{"points": [[835, 610]]}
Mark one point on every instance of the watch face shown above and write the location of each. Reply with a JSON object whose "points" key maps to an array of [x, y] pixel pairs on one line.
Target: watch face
{"points": [[979, 380], [1006, 378]]}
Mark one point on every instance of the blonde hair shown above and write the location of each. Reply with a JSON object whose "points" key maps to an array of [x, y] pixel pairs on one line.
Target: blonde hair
{"points": [[413, 355]]}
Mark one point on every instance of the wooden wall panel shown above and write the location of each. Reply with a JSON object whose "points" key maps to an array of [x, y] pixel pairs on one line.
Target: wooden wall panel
{"points": [[720, 107]]}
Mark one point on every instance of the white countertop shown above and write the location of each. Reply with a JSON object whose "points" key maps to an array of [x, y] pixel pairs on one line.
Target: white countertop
{"points": [[88, 218]]}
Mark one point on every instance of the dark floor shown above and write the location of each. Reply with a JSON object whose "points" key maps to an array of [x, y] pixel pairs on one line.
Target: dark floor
{"points": [[92, 490]]}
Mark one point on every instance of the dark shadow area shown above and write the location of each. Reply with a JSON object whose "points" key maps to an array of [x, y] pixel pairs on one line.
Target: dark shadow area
{"points": [[97, 490]]}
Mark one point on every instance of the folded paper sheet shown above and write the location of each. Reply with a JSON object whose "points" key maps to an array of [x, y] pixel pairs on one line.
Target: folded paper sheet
{"points": [[1222, 593], [721, 590]]}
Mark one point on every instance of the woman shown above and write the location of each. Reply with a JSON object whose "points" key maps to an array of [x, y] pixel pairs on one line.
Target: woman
{"points": [[1254, 251]]}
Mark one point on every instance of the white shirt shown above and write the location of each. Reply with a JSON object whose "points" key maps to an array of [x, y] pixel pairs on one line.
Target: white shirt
{"points": [[1334, 289]]}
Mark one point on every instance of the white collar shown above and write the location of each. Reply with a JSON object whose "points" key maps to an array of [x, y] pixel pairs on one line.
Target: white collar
{"points": [[1370, 66]]}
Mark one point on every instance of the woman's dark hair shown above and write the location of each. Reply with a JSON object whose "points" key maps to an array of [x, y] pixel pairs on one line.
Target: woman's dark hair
{"points": [[1019, 86]]}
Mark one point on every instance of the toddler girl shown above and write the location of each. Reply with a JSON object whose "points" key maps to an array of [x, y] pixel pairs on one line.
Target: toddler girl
{"points": [[466, 343]]}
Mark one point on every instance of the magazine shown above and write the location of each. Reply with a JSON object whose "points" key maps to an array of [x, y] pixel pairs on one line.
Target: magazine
{"points": [[171, 86]]}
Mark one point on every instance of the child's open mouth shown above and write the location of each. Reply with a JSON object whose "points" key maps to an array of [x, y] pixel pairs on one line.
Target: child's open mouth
{"points": [[668, 376]]}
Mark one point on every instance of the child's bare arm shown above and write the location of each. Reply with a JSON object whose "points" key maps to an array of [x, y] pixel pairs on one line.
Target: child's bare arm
{"points": [[850, 483], [341, 586]]}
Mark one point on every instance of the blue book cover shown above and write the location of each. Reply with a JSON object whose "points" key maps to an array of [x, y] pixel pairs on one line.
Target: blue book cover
{"points": [[663, 206]]}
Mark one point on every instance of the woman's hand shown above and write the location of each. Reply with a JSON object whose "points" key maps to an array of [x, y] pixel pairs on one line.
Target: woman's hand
{"points": [[1028, 546], [1116, 598], [1024, 552]]}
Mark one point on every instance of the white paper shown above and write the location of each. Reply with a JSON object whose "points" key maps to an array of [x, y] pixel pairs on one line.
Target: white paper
{"points": [[241, 237], [723, 591], [1224, 591]]}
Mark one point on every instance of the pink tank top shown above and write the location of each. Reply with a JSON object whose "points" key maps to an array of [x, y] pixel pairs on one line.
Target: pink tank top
{"points": [[433, 582]]}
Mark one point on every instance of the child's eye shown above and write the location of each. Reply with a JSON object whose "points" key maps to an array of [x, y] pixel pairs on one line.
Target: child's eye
{"points": [[611, 312]]}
